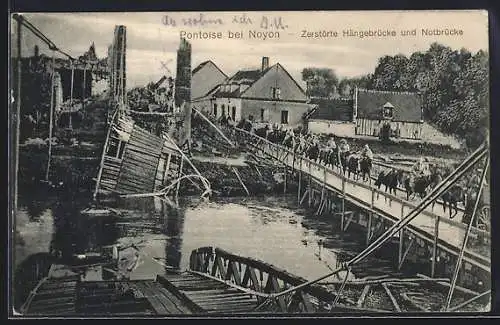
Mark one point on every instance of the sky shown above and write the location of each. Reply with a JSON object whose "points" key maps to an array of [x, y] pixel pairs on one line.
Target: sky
{"points": [[152, 44]]}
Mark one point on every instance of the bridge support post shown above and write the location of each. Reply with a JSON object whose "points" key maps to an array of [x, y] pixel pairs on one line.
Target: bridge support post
{"points": [[284, 179], [369, 228], [401, 238], [434, 248], [370, 217], [299, 189], [343, 205], [401, 245], [311, 193]]}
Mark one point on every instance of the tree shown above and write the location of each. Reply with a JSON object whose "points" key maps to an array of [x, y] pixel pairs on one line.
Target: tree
{"points": [[347, 85], [321, 82], [389, 71]]}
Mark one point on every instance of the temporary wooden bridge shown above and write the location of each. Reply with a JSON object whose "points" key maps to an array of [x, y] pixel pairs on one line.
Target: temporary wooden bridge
{"points": [[321, 184]]}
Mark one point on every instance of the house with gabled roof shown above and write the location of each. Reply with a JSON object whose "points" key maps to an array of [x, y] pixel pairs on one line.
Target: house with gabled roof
{"points": [[205, 77], [403, 111], [265, 95]]}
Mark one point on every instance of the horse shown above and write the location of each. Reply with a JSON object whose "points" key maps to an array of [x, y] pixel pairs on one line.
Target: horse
{"points": [[262, 132], [343, 160], [323, 156], [416, 185], [288, 141], [313, 152], [353, 166], [365, 166], [454, 195], [333, 157], [390, 179]]}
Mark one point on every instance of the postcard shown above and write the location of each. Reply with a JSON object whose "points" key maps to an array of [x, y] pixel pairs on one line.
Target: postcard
{"points": [[249, 163]]}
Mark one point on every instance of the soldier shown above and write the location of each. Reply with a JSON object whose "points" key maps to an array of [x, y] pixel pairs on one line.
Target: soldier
{"points": [[344, 147], [367, 153], [331, 143], [421, 167]]}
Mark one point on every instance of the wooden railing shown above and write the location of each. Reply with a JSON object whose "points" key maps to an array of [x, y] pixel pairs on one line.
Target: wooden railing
{"points": [[263, 279]]}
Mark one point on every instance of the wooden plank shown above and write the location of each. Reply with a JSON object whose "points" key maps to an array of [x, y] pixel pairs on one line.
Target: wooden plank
{"points": [[58, 292], [226, 299], [140, 158], [132, 163], [201, 286], [276, 288], [123, 188], [239, 308], [175, 300], [139, 174], [52, 301], [181, 294], [362, 298], [142, 153], [146, 139], [163, 298], [132, 180], [56, 285], [227, 291], [145, 143], [51, 308], [393, 300], [156, 303]]}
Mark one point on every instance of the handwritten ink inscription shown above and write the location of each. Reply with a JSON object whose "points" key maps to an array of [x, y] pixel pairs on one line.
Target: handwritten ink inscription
{"points": [[200, 20], [264, 22]]}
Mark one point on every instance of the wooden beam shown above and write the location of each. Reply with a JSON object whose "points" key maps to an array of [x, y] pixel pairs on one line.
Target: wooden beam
{"points": [[435, 246], [369, 228], [284, 178], [310, 184], [393, 300], [413, 303], [362, 298], [349, 221], [304, 196], [299, 186], [276, 288], [307, 302], [406, 253]]}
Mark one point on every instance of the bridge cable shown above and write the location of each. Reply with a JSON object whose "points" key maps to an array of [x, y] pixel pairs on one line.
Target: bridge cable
{"points": [[464, 244], [214, 126]]}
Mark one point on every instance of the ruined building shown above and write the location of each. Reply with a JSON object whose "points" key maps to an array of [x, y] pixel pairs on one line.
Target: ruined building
{"points": [[182, 95], [117, 64]]}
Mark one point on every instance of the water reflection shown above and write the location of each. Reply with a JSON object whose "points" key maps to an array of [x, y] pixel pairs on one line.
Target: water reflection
{"points": [[153, 237]]}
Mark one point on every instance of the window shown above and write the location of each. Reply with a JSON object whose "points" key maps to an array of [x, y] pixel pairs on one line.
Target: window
{"points": [[387, 112], [116, 148], [233, 113], [275, 93], [262, 114], [215, 110], [121, 150], [284, 117], [223, 109]]}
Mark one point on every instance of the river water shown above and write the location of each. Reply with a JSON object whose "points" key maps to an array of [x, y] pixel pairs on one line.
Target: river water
{"points": [[271, 228]]}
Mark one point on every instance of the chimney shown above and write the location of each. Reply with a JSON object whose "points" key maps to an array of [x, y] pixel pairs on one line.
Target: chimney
{"points": [[265, 63], [37, 51]]}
